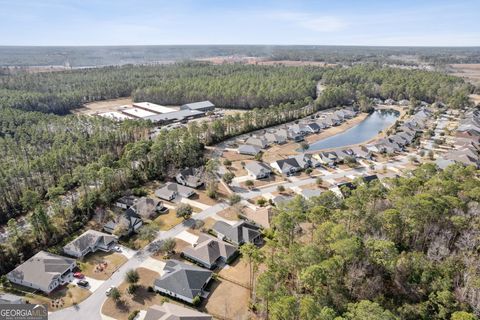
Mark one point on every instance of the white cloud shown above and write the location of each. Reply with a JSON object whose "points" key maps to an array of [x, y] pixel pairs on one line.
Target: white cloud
{"points": [[312, 22]]}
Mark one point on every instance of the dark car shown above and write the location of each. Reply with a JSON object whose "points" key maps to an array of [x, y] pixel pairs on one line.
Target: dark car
{"points": [[82, 283]]}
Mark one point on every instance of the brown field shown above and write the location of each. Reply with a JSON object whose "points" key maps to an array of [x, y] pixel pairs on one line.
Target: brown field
{"points": [[142, 299], [228, 300], [102, 106], [90, 267], [469, 71], [234, 156]]}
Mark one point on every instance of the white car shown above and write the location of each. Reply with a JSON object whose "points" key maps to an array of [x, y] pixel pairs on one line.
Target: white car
{"points": [[109, 290], [117, 249]]}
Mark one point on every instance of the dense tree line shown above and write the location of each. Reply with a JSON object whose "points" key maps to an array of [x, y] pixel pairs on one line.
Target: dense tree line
{"points": [[225, 85], [120, 55], [235, 86], [75, 191], [409, 251], [346, 84]]}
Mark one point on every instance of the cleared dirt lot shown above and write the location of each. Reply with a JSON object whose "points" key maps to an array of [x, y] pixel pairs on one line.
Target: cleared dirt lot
{"points": [[228, 300], [102, 106], [101, 265]]}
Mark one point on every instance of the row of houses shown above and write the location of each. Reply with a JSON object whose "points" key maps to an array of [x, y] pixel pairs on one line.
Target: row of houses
{"points": [[47, 271], [467, 142], [296, 132], [405, 135]]}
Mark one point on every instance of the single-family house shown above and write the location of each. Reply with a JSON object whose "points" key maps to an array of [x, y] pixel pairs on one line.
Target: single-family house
{"points": [[257, 142], [171, 190], [183, 281], [249, 150], [286, 166], [275, 138], [90, 241], [147, 207], [258, 170], [280, 199], [322, 124], [390, 102], [44, 271], [298, 129], [199, 106], [209, 251], [190, 177], [303, 160], [261, 216], [239, 233], [312, 127], [362, 152], [126, 223], [126, 202], [171, 311]]}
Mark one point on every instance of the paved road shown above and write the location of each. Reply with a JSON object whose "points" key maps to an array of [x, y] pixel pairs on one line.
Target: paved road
{"points": [[91, 307]]}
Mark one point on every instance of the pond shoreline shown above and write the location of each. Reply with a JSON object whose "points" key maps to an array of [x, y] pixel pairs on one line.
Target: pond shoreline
{"points": [[381, 114]]}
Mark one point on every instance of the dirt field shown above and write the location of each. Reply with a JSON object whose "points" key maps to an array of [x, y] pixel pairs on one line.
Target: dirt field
{"points": [[228, 300], [92, 266], [102, 106], [140, 301], [234, 156], [469, 71]]}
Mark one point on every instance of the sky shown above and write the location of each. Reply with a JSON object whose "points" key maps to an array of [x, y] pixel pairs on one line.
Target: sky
{"points": [[288, 22]]}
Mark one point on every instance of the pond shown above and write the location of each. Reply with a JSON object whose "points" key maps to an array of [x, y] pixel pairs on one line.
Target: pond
{"points": [[364, 131]]}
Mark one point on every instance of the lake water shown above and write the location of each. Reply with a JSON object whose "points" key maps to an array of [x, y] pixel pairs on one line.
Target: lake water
{"points": [[364, 131]]}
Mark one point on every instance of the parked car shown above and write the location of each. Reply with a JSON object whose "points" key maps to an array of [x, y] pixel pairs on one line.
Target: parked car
{"points": [[109, 290], [83, 283], [117, 249], [79, 275]]}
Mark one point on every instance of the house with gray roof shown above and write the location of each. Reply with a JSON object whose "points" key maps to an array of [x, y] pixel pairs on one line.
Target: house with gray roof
{"points": [[90, 241], [147, 207], [44, 271], [312, 127], [126, 202], [171, 311], [258, 170], [129, 221], [257, 142], [286, 166], [249, 150], [210, 251], [239, 233], [183, 281], [275, 138], [171, 190], [199, 106], [190, 177], [303, 160]]}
